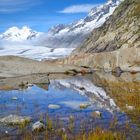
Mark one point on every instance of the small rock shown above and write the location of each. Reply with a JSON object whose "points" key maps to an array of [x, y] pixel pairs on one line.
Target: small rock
{"points": [[71, 72], [38, 127], [82, 88], [15, 120], [118, 71], [53, 106], [71, 118], [14, 98], [130, 107], [84, 106], [30, 85], [61, 131], [97, 114], [23, 85]]}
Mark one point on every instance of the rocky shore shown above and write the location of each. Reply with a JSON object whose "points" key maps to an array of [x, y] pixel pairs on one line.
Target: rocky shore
{"points": [[128, 59], [20, 72], [13, 66]]}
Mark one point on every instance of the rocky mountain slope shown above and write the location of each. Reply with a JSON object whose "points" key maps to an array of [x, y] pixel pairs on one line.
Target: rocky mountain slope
{"points": [[15, 34], [115, 44], [122, 30], [74, 34]]}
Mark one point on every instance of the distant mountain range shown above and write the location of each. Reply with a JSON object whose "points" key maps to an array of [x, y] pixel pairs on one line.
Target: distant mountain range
{"points": [[15, 34], [64, 36]]}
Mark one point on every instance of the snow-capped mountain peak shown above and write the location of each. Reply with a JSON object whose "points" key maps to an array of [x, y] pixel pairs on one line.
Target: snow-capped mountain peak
{"points": [[74, 34], [96, 17], [71, 35], [102, 12], [16, 34]]}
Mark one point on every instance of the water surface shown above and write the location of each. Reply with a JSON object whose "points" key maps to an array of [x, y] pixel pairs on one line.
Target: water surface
{"points": [[69, 94]]}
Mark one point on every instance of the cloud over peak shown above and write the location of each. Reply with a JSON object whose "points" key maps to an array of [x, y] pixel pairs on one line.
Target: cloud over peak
{"points": [[83, 8]]}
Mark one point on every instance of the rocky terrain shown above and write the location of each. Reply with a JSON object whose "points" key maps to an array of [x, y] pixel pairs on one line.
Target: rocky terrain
{"points": [[16, 72], [122, 30], [12, 66], [115, 44]]}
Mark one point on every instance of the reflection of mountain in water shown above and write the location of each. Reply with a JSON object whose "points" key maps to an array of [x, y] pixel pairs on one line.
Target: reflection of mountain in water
{"points": [[85, 87]]}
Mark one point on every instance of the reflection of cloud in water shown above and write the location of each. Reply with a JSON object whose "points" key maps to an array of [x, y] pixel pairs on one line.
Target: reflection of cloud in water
{"points": [[97, 95]]}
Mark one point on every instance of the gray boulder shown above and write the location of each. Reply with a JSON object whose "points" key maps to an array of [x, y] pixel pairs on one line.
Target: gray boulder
{"points": [[15, 120], [53, 106], [38, 126]]}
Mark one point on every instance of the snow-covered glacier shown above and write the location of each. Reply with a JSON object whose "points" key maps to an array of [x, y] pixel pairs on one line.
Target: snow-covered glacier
{"points": [[34, 52]]}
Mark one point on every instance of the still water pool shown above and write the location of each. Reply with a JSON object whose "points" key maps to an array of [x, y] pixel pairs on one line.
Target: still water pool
{"points": [[69, 95]]}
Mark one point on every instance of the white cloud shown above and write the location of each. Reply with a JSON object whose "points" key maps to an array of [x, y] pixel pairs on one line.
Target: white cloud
{"points": [[9, 6], [84, 8]]}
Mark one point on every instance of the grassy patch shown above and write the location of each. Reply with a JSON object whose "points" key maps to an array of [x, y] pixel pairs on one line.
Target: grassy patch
{"points": [[99, 134], [127, 97]]}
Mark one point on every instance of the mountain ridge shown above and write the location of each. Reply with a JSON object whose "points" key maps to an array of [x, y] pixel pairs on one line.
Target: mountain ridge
{"points": [[114, 45], [71, 35], [114, 33], [74, 34]]}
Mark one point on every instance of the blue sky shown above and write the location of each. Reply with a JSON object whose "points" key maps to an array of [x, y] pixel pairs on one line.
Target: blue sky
{"points": [[43, 14]]}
